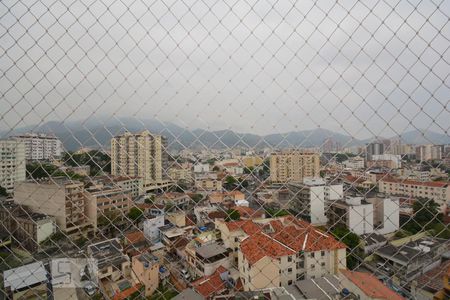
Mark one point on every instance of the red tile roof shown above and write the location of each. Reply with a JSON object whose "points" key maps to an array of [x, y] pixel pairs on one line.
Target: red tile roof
{"points": [[127, 293], [370, 285], [247, 212], [134, 237], [421, 183], [433, 278], [285, 236], [210, 285], [248, 226]]}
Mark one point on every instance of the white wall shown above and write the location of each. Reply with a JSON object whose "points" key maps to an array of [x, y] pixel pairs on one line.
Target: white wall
{"points": [[151, 227], [391, 216], [360, 218], [317, 198]]}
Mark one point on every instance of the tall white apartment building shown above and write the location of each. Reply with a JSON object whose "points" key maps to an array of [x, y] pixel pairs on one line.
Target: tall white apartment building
{"points": [[312, 197], [12, 163], [40, 146], [139, 155]]}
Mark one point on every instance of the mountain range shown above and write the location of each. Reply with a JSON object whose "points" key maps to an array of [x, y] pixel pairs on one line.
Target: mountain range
{"points": [[97, 134]]}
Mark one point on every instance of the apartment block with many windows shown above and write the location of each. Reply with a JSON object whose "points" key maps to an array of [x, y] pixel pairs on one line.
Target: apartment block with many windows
{"points": [[12, 163], [293, 165]]}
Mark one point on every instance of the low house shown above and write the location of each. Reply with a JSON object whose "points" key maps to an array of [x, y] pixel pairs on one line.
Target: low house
{"points": [[371, 242], [27, 282], [430, 283], [108, 263], [366, 286], [205, 259], [412, 259], [213, 285]]}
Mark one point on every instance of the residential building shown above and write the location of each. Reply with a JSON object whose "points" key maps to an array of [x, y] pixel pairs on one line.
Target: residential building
{"points": [[29, 281], [251, 161], [145, 270], [286, 254], [411, 260], [310, 198], [173, 198], [326, 287], [429, 152], [61, 198], [371, 242], [220, 197], [41, 146], [204, 259], [140, 155], [375, 148], [28, 229], [12, 163], [208, 183], [438, 191], [356, 162], [201, 168], [211, 286], [396, 160], [178, 173], [366, 286], [151, 227], [278, 252], [432, 283], [108, 263], [365, 215], [105, 202], [293, 165]]}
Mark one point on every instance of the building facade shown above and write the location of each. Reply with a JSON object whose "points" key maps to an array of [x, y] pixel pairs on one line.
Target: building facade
{"points": [[310, 198], [12, 163], [293, 166], [139, 155], [438, 191], [429, 152], [374, 149], [41, 146], [61, 198]]}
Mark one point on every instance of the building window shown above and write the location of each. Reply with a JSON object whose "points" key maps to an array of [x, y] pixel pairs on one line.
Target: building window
{"points": [[322, 264], [313, 267], [312, 254], [289, 258], [290, 282], [322, 253], [290, 270]]}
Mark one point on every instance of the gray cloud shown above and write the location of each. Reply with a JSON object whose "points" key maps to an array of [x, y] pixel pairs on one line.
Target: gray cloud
{"points": [[360, 67]]}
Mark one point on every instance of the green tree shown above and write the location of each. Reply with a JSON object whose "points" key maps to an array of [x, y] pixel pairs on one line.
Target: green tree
{"points": [[197, 198], [230, 180], [249, 170], [135, 214], [352, 240], [3, 191], [232, 215], [425, 216]]}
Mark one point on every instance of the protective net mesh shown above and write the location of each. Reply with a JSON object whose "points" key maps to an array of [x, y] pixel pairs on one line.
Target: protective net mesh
{"points": [[224, 149]]}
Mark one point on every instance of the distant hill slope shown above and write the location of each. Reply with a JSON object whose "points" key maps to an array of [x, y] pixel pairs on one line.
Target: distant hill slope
{"points": [[98, 133]]}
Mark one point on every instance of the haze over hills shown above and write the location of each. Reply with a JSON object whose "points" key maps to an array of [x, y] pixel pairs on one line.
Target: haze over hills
{"points": [[97, 134]]}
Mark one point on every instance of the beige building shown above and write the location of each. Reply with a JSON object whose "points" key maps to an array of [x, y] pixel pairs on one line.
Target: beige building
{"points": [[439, 191], [293, 165], [108, 263], [12, 163], [208, 183], [277, 252], [140, 155], [251, 161], [145, 270], [429, 152], [61, 198], [286, 250], [101, 201]]}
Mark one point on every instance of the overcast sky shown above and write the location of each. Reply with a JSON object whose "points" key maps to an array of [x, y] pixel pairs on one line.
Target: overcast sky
{"points": [[358, 67]]}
